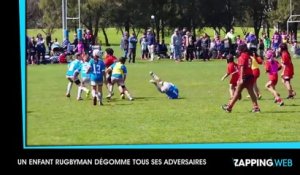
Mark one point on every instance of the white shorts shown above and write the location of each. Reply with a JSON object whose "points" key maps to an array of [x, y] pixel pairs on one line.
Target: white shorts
{"points": [[166, 86], [94, 83], [86, 81]]}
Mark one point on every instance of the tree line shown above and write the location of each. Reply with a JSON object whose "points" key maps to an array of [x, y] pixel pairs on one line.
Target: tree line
{"points": [[135, 15]]}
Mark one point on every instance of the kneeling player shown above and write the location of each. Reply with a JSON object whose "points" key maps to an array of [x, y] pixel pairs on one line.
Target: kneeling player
{"points": [[164, 87]]}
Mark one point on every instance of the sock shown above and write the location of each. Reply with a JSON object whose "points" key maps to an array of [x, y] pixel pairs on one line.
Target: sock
{"points": [[93, 93], [69, 87], [85, 89], [155, 77], [79, 92], [99, 96], [127, 94], [110, 88]]}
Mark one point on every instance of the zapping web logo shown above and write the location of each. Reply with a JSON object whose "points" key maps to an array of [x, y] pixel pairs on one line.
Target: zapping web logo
{"points": [[263, 162]]}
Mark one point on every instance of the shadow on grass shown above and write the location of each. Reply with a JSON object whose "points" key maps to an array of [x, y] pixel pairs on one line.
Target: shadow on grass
{"points": [[117, 104], [280, 112], [180, 98], [123, 104], [145, 98], [291, 105]]}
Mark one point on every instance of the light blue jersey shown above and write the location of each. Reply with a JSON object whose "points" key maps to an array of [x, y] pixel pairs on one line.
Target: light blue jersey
{"points": [[83, 70], [97, 70], [73, 67]]}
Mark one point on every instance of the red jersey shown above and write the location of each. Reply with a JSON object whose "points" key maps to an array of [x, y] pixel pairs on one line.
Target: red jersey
{"points": [[231, 68], [288, 65], [109, 60], [245, 61]]}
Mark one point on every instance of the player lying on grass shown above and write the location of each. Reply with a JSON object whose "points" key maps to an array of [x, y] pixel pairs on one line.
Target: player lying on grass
{"points": [[118, 75], [164, 87], [272, 67]]}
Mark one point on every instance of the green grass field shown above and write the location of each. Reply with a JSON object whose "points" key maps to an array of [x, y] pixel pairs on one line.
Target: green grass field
{"points": [[53, 119]]}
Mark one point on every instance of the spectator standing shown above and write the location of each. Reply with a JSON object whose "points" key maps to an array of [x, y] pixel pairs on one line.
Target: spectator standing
{"points": [[125, 44], [176, 41], [151, 43], [132, 47], [144, 46]]}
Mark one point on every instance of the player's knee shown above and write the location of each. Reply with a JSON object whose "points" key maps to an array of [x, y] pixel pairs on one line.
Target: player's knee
{"points": [[77, 82], [123, 87], [70, 80]]}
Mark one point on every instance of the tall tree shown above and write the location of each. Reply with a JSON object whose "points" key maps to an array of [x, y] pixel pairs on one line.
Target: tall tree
{"points": [[51, 16], [257, 12], [91, 11], [33, 13]]}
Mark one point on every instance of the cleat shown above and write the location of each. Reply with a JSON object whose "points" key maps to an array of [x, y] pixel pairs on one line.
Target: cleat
{"points": [[281, 103], [122, 96], [79, 99], [95, 101], [151, 73], [291, 96], [131, 99], [152, 81], [87, 95], [108, 96], [101, 104], [68, 95], [259, 97], [256, 110], [226, 108]]}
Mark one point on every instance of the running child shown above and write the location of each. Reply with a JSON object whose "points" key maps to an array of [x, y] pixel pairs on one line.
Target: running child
{"points": [[256, 61], [288, 69], [97, 71], [72, 73], [246, 80], [272, 67], [109, 60], [85, 76], [119, 74], [232, 70]]}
